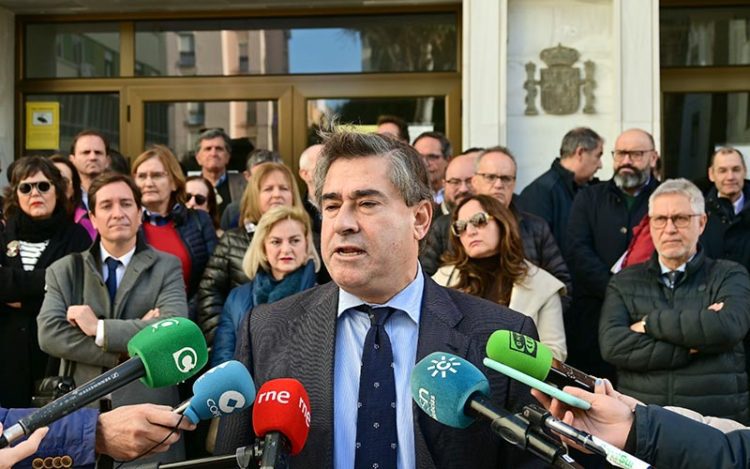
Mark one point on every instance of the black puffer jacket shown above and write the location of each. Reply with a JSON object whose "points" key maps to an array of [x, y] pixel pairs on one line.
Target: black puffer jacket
{"points": [[658, 367], [223, 272], [539, 246], [727, 236]]}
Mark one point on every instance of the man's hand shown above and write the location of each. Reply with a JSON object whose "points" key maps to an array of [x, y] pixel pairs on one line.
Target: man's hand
{"points": [[638, 327], [83, 317], [151, 314], [130, 431], [716, 306], [10, 456], [609, 418]]}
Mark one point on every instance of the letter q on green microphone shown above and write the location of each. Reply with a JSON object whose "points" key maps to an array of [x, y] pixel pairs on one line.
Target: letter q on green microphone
{"points": [[172, 350], [520, 352]]}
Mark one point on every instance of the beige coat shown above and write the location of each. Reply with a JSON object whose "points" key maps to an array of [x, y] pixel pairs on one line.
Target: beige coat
{"points": [[538, 297]]}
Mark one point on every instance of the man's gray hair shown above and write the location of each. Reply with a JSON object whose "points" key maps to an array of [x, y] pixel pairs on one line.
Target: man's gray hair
{"points": [[211, 134], [682, 187], [406, 171], [579, 137], [495, 149]]}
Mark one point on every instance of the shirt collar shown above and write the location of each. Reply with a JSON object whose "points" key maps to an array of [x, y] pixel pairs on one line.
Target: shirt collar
{"points": [[739, 204], [221, 180], [681, 268], [408, 300], [125, 258]]}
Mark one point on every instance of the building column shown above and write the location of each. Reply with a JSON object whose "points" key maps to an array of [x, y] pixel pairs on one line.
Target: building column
{"points": [[638, 78], [484, 66], [7, 88]]}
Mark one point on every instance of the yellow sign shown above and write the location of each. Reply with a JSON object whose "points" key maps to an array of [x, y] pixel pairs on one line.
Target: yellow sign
{"points": [[42, 126]]}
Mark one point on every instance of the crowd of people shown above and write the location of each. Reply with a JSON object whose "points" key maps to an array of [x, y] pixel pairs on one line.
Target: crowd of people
{"points": [[402, 244]]}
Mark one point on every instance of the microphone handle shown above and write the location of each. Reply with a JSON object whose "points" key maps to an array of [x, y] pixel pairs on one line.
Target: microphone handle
{"points": [[516, 430], [87, 393], [613, 454], [276, 448], [241, 459]]}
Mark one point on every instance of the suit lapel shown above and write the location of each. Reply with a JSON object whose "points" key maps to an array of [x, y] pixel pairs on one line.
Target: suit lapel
{"points": [[310, 356], [140, 262], [438, 332]]}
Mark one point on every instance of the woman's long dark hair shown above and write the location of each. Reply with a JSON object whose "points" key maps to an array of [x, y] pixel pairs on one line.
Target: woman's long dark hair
{"points": [[28, 166], [77, 199], [495, 284], [213, 206]]}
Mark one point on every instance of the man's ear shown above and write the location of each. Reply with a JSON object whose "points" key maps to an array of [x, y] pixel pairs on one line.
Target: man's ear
{"points": [[422, 218]]}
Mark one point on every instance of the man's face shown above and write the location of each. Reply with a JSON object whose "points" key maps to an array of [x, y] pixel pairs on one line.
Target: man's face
{"points": [[675, 244], [213, 155], [591, 162], [369, 238], [634, 158], [458, 179], [90, 157], [728, 175], [496, 177], [432, 155], [116, 216]]}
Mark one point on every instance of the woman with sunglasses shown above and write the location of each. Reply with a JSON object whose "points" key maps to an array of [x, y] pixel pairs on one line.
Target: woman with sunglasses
{"points": [[39, 230], [168, 225], [200, 195], [488, 262]]}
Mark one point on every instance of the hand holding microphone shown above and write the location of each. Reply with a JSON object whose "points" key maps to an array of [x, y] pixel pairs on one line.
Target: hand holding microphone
{"points": [[163, 354]]}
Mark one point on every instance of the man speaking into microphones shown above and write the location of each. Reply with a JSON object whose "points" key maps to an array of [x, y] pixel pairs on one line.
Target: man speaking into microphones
{"points": [[358, 337]]}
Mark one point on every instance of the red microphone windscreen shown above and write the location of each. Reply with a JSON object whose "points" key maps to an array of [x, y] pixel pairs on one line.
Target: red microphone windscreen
{"points": [[282, 405]]}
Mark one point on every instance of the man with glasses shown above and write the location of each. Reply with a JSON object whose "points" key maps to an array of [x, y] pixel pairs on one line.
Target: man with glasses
{"points": [[674, 326], [727, 234], [436, 151], [495, 175], [458, 185], [550, 196], [600, 228]]}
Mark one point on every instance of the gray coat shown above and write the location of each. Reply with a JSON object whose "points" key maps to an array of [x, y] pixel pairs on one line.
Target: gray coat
{"points": [[152, 279]]}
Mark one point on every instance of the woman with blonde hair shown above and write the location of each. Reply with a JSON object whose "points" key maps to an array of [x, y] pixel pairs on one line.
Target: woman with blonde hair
{"points": [[271, 185], [280, 261], [488, 262], [168, 225]]}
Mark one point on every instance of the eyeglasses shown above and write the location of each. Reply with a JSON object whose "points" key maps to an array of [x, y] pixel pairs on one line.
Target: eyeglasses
{"points": [[200, 199], [155, 176], [43, 187], [636, 156], [680, 220], [455, 182], [477, 220], [493, 178]]}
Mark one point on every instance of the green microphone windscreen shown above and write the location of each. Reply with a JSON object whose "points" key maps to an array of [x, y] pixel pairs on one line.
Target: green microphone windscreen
{"points": [[520, 352], [172, 350]]}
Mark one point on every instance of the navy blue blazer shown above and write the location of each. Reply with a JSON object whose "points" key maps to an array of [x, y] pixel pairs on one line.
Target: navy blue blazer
{"points": [[295, 338]]}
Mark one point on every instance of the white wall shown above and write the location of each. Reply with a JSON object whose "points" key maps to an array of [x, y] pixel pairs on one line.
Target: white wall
{"points": [[500, 37], [7, 83]]}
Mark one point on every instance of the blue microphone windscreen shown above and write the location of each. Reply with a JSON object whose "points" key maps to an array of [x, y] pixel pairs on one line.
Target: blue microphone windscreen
{"points": [[222, 390], [441, 383]]}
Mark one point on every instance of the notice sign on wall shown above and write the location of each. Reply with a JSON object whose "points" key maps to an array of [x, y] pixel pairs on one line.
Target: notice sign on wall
{"points": [[42, 126]]}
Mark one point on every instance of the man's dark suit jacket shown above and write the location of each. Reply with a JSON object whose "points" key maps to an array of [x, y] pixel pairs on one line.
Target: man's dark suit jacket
{"points": [[295, 338]]}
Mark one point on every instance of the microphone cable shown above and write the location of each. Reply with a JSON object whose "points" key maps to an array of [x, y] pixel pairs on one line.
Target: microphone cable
{"points": [[175, 429]]}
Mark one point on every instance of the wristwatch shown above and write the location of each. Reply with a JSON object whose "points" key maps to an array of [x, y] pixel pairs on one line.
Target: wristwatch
{"points": [[643, 323]]}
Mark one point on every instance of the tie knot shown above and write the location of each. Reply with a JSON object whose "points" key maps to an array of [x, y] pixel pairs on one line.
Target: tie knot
{"points": [[112, 263], [378, 314], [674, 276]]}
